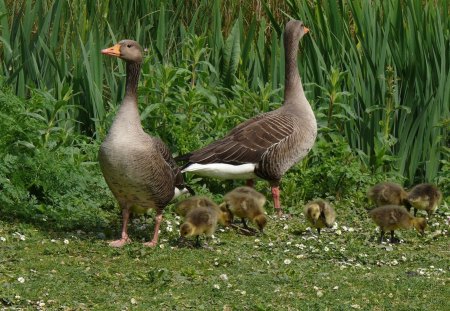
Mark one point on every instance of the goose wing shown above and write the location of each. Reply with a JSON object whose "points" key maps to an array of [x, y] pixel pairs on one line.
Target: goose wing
{"points": [[167, 156], [247, 142]]}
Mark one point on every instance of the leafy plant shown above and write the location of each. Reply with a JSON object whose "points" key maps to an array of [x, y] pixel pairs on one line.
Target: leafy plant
{"points": [[48, 174], [396, 71], [331, 171]]}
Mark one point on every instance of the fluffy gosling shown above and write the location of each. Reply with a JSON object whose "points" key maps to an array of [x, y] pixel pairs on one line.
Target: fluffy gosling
{"points": [[388, 193], [425, 197], [224, 216], [393, 217], [183, 207], [202, 220], [247, 203], [320, 214]]}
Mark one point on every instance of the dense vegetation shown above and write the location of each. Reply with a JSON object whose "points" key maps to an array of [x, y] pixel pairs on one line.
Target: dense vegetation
{"points": [[377, 77]]}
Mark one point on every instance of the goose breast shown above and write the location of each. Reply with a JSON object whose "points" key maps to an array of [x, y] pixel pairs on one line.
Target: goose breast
{"points": [[136, 172]]}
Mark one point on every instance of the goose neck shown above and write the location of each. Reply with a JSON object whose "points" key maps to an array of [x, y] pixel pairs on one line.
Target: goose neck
{"points": [[133, 72], [293, 83], [128, 117]]}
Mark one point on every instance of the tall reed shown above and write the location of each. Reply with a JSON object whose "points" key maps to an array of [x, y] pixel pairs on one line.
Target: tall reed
{"points": [[396, 56], [384, 65]]}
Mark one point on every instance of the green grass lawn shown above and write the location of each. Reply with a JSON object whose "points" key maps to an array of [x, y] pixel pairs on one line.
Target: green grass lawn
{"points": [[287, 268]]}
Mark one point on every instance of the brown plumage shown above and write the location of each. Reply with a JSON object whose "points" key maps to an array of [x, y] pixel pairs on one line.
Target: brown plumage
{"points": [[267, 145], [425, 197], [388, 193], [247, 203], [184, 206], [393, 217], [224, 216], [202, 220], [320, 214], [138, 168]]}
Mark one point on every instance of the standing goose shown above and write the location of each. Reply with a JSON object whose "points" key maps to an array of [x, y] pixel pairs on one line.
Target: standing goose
{"points": [[139, 169], [267, 145]]}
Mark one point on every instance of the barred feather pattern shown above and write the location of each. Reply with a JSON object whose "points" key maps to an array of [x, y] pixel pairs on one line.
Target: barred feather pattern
{"points": [[138, 168], [273, 141]]}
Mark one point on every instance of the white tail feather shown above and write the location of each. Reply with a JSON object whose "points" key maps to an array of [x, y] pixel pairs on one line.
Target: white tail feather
{"points": [[223, 171]]}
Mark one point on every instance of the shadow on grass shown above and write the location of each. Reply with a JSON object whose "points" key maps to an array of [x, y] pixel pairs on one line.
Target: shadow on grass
{"points": [[94, 224]]}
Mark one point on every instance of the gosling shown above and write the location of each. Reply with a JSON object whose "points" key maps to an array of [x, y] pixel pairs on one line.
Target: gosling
{"points": [[247, 203], [203, 220], [183, 207], [425, 197], [393, 217], [320, 214], [387, 193]]}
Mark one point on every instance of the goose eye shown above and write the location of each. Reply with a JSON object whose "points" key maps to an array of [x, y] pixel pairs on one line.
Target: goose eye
{"points": [[128, 45]]}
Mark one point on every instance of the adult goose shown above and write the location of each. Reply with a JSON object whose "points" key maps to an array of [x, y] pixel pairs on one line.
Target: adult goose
{"points": [[138, 168], [267, 145]]}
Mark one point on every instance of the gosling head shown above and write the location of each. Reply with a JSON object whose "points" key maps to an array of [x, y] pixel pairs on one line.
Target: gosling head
{"points": [[314, 212], [186, 230], [260, 221], [225, 218], [420, 224]]}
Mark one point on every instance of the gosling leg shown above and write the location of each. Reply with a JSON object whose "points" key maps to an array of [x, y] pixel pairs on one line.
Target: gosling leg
{"points": [[381, 236]]}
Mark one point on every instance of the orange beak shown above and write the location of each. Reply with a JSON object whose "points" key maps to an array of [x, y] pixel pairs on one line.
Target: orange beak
{"points": [[306, 30], [112, 51]]}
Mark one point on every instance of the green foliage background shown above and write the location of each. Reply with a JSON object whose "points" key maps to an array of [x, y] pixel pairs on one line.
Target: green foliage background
{"points": [[377, 76]]}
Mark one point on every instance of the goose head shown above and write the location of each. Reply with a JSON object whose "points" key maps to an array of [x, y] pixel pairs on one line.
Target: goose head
{"points": [[295, 30], [128, 50]]}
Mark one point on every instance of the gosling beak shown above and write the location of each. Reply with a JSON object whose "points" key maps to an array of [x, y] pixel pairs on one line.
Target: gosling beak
{"points": [[306, 30], [112, 51]]}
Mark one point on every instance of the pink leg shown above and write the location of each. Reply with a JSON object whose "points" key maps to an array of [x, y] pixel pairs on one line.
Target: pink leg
{"points": [[276, 199], [250, 183], [158, 219], [124, 239]]}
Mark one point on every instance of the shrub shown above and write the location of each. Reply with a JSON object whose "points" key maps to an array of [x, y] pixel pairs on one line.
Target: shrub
{"points": [[48, 175]]}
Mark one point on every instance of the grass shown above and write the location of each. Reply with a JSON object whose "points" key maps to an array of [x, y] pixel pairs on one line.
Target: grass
{"points": [[376, 76], [287, 268]]}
